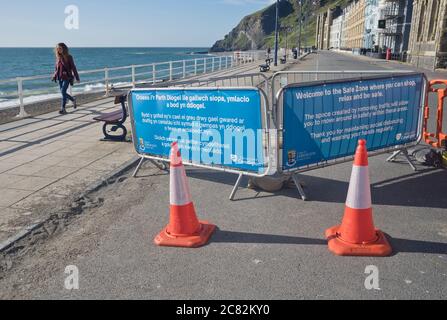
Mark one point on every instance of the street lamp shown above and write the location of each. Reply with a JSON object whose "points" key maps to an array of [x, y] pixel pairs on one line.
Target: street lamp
{"points": [[276, 33], [300, 20], [286, 29]]}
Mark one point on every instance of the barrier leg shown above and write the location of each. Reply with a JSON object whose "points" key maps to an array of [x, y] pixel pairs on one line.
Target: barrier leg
{"points": [[236, 186], [393, 156], [159, 164], [404, 152], [138, 167], [299, 186]]}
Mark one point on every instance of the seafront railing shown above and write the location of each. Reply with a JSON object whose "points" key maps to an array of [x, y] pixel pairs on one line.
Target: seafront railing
{"points": [[22, 91]]}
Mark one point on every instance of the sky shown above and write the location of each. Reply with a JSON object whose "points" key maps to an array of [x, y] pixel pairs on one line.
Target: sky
{"points": [[121, 23]]}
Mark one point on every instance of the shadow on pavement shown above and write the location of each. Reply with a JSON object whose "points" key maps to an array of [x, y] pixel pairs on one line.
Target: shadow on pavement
{"points": [[214, 176], [80, 124], [416, 246], [398, 245], [224, 236], [424, 188]]}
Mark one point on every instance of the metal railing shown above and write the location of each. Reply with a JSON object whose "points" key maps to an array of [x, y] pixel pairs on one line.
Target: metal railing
{"points": [[106, 79]]}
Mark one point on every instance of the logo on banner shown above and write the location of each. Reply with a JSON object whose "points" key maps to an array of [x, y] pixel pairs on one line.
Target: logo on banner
{"points": [[142, 147], [291, 158]]}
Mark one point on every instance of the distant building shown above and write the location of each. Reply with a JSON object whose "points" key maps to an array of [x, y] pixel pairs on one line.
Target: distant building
{"points": [[336, 32], [428, 39], [395, 24], [345, 25], [372, 15], [375, 25], [356, 25], [322, 38]]}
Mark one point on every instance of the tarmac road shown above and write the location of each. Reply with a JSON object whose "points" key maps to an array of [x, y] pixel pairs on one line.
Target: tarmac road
{"points": [[267, 246]]}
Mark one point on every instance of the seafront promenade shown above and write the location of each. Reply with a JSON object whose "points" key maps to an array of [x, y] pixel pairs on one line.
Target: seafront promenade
{"points": [[267, 245], [47, 161]]}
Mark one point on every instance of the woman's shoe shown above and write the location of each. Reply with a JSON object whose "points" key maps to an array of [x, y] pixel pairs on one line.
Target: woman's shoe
{"points": [[75, 105], [62, 111]]}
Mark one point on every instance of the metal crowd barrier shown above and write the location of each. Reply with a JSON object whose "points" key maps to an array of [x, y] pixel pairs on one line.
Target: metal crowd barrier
{"points": [[234, 82], [283, 80], [273, 122]]}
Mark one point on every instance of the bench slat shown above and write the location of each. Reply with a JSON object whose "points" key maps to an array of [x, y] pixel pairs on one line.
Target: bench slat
{"points": [[112, 116]]}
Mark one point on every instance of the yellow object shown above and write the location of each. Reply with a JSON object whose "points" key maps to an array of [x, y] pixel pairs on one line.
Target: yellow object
{"points": [[444, 159]]}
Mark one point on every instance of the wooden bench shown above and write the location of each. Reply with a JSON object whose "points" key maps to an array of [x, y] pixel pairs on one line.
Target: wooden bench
{"points": [[265, 67], [115, 120]]}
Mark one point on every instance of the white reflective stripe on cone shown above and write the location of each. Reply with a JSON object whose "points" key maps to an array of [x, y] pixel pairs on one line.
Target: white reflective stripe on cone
{"points": [[359, 194], [179, 188]]}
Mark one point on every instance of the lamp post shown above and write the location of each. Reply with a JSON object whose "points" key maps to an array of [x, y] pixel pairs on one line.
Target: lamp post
{"points": [[276, 33], [300, 21], [286, 29]]}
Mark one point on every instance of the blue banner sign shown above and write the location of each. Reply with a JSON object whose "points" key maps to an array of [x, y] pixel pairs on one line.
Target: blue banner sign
{"points": [[324, 121], [222, 127]]}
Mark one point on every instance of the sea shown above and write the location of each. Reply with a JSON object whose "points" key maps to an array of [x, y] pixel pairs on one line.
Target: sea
{"points": [[28, 62]]}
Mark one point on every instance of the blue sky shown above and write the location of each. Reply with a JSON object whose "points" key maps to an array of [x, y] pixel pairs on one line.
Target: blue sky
{"points": [[121, 23]]}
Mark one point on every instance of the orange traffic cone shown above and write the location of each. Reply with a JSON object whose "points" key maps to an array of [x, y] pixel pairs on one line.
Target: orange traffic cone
{"points": [[356, 236], [184, 229]]}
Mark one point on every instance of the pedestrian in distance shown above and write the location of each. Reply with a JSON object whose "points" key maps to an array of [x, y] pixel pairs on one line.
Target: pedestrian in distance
{"points": [[65, 74]]}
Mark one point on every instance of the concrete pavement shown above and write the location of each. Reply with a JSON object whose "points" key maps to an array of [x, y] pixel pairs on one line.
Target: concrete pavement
{"points": [[47, 160], [268, 246]]}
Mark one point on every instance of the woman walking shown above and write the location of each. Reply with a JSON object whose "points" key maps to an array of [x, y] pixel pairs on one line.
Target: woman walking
{"points": [[65, 73]]}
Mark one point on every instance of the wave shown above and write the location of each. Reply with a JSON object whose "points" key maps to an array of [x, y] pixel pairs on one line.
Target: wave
{"points": [[199, 53], [5, 96], [27, 100], [91, 87]]}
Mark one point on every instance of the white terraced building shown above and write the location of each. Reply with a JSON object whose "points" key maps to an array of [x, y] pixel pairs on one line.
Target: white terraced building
{"points": [[336, 32], [372, 15]]}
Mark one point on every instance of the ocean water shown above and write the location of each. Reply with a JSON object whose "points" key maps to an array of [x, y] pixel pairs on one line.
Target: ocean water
{"points": [[25, 62]]}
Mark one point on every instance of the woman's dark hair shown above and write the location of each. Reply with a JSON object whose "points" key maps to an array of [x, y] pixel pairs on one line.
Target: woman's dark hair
{"points": [[65, 52]]}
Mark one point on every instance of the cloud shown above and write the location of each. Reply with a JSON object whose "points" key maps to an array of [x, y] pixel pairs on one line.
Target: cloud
{"points": [[248, 2]]}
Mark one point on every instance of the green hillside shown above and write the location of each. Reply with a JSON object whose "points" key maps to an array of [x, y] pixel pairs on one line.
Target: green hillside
{"points": [[257, 31]]}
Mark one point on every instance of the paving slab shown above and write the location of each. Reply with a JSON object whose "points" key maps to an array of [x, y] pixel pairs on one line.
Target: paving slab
{"points": [[11, 196], [28, 169], [33, 183], [77, 161], [66, 152], [4, 167], [55, 171], [50, 159], [20, 159], [8, 179], [5, 145]]}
